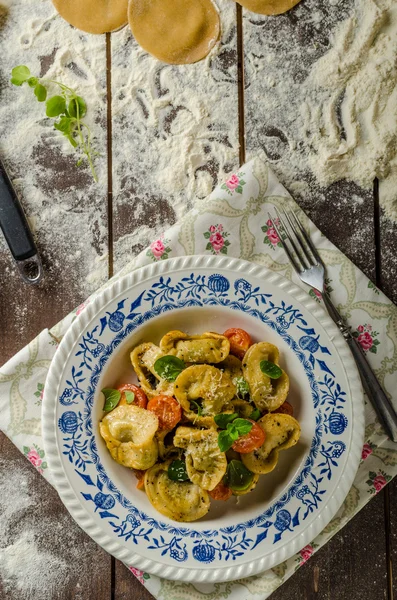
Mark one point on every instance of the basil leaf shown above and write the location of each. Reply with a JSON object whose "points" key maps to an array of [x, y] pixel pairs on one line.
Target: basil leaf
{"points": [[112, 398], [169, 367], [177, 471], [238, 477], [129, 396], [40, 92], [225, 442], [242, 387], [197, 406], [242, 426], [270, 369], [223, 419], [32, 82], [255, 415]]}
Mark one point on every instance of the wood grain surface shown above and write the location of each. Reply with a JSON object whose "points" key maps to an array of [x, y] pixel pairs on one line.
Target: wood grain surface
{"points": [[357, 564]]}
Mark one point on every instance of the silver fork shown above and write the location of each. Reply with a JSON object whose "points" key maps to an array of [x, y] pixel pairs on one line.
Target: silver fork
{"points": [[307, 262]]}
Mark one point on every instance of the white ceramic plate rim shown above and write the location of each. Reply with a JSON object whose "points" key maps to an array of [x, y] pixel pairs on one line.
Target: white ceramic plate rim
{"points": [[69, 497]]}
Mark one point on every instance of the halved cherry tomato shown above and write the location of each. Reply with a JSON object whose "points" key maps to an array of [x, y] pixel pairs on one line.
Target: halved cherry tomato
{"points": [[285, 409], [167, 409], [140, 396], [140, 475], [239, 340], [250, 441], [221, 492]]}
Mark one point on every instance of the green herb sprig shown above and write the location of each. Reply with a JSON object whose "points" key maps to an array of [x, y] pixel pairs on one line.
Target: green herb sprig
{"points": [[242, 387], [238, 477], [232, 427], [68, 106], [177, 471]]}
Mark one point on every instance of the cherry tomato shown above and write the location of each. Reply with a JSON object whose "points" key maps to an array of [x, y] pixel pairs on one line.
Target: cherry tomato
{"points": [[167, 409], [250, 441], [285, 409], [221, 492], [140, 396], [239, 340], [140, 475]]}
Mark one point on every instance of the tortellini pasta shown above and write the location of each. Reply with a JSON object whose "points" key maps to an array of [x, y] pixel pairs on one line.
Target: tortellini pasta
{"points": [[143, 358], [206, 348], [205, 463], [266, 393], [205, 426], [129, 435], [282, 432], [181, 501]]}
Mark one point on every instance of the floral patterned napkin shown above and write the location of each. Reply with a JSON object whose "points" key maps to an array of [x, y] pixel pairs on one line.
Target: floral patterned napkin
{"points": [[234, 221]]}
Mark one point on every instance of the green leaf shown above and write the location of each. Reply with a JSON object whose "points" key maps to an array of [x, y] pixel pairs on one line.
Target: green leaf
{"points": [[20, 74], [43, 465], [77, 103], [55, 106], [37, 394], [242, 387], [40, 386], [197, 407], [112, 398], [208, 246], [41, 453], [255, 415], [32, 82], [232, 432], [26, 449], [238, 477], [223, 419], [224, 250], [146, 576], [40, 92], [270, 369], [225, 442], [169, 367], [242, 426], [207, 235], [177, 471], [129, 396]]}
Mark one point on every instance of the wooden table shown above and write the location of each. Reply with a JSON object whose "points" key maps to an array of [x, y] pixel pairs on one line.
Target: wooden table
{"points": [[358, 563]]}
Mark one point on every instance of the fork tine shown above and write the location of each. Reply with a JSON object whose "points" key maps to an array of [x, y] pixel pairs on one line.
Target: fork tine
{"points": [[292, 260], [298, 253], [307, 255], [307, 239]]}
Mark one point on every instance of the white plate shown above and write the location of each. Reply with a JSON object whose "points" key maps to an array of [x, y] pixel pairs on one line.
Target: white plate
{"points": [[289, 506]]}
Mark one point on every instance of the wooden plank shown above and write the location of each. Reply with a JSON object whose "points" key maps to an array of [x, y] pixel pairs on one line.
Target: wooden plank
{"points": [[149, 117], [279, 53], [175, 132], [68, 213], [71, 566]]}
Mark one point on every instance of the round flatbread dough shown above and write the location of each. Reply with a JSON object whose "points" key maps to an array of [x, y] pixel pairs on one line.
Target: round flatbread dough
{"points": [[268, 7], [94, 16], [175, 31]]}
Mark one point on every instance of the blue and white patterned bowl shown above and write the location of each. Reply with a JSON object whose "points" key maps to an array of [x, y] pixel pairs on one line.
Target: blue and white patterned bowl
{"points": [[289, 506]]}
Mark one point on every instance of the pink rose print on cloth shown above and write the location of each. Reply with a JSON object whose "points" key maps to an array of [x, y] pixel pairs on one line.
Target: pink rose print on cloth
{"points": [[271, 237], [377, 481], [305, 554], [35, 455], [234, 184], [159, 249], [140, 575], [367, 450], [217, 239], [367, 338]]}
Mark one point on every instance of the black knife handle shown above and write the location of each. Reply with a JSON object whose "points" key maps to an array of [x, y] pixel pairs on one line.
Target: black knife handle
{"points": [[13, 221]]}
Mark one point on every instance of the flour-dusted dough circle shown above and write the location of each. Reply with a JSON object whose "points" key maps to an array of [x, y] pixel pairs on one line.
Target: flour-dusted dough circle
{"points": [[94, 16], [268, 7], [175, 31]]}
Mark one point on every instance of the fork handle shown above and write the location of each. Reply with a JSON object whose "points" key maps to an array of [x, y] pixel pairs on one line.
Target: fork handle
{"points": [[381, 403]]}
